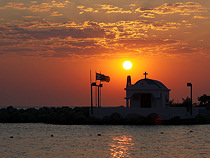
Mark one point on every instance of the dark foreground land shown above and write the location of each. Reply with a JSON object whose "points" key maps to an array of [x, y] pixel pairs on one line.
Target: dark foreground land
{"points": [[81, 116]]}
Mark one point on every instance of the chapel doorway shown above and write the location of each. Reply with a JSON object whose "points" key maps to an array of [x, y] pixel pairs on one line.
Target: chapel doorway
{"points": [[146, 100]]}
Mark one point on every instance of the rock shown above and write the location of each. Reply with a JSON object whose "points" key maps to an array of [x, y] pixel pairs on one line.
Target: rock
{"points": [[134, 119], [106, 120], [201, 119], [116, 119], [175, 120], [80, 118], [11, 109], [153, 119]]}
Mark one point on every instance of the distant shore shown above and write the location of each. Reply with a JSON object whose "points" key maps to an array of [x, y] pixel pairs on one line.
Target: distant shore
{"points": [[81, 116]]}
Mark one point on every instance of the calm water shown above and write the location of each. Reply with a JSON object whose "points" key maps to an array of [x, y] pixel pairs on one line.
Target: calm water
{"points": [[35, 140]]}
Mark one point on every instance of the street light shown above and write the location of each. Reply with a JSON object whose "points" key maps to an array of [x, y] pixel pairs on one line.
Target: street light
{"points": [[190, 85], [91, 93]]}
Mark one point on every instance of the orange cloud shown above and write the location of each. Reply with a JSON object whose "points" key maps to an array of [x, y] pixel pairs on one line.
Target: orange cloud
{"points": [[35, 7], [142, 31], [183, 8], [199, 17], [101, 8], [14, 5], [89, 9], [55, 13]]}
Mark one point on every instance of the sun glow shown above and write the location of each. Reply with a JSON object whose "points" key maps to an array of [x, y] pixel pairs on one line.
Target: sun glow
{"points": [[127, 65]]}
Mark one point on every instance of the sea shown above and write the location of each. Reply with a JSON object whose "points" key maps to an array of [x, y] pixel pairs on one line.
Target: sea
{"points": [[36, 140]]}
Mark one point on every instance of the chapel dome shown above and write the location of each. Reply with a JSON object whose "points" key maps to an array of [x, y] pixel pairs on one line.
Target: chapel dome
{"points": [[150, 84]]}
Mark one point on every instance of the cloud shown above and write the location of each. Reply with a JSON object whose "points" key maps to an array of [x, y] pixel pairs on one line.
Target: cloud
{"points": [[182, 8], [67, 39], [114, 9], [32, 40], [88, 32], [55, 13], [146, 12], [8, 43], [147, 15], [87, 9], [14, 5], [142, 30], [103, 9], [36, 7], [199, 17]]}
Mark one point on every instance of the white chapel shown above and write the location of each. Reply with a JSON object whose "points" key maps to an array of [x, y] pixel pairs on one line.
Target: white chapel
{"points": [[145, 97], [146, 93]]}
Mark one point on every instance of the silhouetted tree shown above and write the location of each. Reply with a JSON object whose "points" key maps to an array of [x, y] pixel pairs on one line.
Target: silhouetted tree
{"points": [[172, 103], [203, 99], [186, 102]]}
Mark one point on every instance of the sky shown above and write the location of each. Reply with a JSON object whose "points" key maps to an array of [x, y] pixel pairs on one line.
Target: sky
{"points": [[47, 48]]}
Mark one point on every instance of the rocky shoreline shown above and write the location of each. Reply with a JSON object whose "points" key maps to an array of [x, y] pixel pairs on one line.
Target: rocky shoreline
{"points": [[81, 116]]}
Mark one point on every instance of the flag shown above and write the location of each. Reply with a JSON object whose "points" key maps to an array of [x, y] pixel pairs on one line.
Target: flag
{"points": [[102, 77]]}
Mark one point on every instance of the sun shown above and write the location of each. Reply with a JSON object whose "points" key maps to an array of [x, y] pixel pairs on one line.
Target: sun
{"points": [[127, 65]]}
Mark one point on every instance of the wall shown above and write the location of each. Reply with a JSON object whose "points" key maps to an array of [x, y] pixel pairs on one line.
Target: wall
{"points": [[163, 113]]}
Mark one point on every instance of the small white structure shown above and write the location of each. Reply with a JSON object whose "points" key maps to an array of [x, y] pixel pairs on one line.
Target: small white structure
{"points": [[146, 93], [145, 97]]}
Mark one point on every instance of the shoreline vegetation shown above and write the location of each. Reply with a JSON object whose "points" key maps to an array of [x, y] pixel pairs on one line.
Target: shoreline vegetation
{"points": [[81, 116]]}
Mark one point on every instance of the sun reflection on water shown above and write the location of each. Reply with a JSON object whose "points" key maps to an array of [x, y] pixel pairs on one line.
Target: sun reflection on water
{"points": [[121, 146]]}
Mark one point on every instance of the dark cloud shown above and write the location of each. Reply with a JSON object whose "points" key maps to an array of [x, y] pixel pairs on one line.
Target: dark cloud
{"points": [[138, 43], [83, 50], [144, 28], [60, 55], [61, 33], [5, 43], [183, 50], [145, 9], [18, 50]]}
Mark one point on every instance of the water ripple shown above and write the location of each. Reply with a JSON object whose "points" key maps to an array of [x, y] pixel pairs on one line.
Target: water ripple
{"points": [[44, 140]]}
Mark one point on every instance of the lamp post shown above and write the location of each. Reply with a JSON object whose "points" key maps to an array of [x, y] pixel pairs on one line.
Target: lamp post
{"points": [[99, 94], [190, 85], [91, 93]]}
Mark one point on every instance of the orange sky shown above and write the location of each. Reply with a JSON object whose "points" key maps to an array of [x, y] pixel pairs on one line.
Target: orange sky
{"points": [[47, 49]]}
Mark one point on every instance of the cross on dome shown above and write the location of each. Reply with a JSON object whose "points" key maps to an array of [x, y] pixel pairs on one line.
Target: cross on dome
{"points": [[145, 74]]}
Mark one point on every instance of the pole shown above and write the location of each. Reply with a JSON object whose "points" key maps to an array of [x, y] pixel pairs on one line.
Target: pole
{"points": [[100, 91], [98, 96], [190, 85], [191, 101], [91, 95], [95, 92], [100, 85], [91, 91]]}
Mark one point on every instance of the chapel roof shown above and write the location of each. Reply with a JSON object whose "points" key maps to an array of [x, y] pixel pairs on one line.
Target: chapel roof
{"points": [[149, 83]]}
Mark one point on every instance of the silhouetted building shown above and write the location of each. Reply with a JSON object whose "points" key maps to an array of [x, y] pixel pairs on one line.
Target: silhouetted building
{"points": [[145, 98], [146, 93]]}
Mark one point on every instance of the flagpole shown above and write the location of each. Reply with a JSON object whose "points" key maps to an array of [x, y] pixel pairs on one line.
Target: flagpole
{"points": [[96, 91], [100, 92], [91, 95], [98, 97], [91, 107]]}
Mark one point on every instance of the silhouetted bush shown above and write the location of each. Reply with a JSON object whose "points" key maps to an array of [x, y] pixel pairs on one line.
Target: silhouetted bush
{"points": [[134, 119], [80, 115], [116, 119]]}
